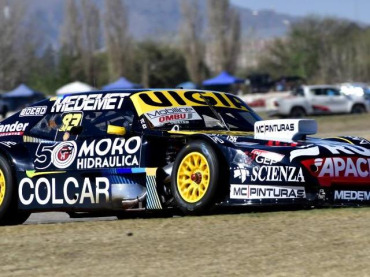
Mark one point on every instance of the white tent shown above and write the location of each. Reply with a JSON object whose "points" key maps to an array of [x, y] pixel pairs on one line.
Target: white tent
{"points": [[74, 87]]}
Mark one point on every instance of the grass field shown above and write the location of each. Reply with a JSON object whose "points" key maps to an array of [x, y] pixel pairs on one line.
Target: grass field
{"points": [[319, 242], [322, 242]]}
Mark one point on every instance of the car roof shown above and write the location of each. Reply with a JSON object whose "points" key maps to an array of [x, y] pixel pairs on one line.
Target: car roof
{"points": [[134, 91], [321, 86]]}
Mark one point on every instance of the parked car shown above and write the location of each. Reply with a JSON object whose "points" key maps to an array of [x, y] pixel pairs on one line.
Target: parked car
{"points": [[112, 152], [316, 100]]}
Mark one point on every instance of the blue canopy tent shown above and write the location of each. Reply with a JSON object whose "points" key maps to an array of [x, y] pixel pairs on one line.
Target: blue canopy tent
{"points": [[223, 81], [121, 83], [20, 97], [21, 91]]}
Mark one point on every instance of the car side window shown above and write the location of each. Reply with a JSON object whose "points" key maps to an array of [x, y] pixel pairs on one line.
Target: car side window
{"points": [[96, 123], [318, 92], [48, 127], [332, 92]]}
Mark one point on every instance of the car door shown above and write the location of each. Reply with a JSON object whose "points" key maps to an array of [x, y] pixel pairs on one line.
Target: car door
{"points": [[320, 102], [80, 162], [338, 103]]}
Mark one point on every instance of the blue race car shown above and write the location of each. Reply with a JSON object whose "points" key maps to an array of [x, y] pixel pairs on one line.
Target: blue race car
{"points": [[110, 152]]}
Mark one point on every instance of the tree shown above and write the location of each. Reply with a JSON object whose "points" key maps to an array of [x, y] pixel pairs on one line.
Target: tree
{"points": [[191, 40], [17, 44], [224, 33], [158, 65], [117, 38], [90, 39], [71, 33]]}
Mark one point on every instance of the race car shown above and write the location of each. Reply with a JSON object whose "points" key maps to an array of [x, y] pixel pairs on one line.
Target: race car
{"points": [[111, 152]]}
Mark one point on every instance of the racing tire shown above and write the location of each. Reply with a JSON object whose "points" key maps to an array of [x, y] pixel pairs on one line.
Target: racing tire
{"points": [[195, 177], [358, 109], [297, 112], [9, 214]]}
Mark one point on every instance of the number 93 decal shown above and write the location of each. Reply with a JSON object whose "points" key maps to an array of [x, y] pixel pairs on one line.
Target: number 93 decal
{"points": [[70, 120]]}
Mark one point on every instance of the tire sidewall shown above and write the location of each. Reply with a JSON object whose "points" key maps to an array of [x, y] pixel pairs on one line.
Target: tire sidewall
{"points": [[208, 199], [6, 205]]}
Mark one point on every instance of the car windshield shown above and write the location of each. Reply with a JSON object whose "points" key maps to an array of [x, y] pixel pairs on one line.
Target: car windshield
{"points": [[205, 119]]}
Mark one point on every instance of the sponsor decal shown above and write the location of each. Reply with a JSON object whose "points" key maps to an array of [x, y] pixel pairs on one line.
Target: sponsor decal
{"points": [[8, 144], [216, 138], [305, 151], [148, 101], [64, 154], [266, 157], [277, 174], [89, 102], [336, 149], [109, 153], [351, 195], [250, 192], [243, 162], [346, 149], [176, 114], [44, 191], [241, 172], [232, 139], [15, 129], [70, 120], [284, 130], [103, 153], [339, 169], [143, 124], [277, 127], [33, 111]]}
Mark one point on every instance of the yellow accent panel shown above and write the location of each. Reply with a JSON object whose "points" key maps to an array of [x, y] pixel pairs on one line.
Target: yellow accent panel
{"points": [[151, 171], [33, 173], [229, 133], [53, 98], [116, 130], [148, 101], [2, 187], [193, 177], [346, 140]]}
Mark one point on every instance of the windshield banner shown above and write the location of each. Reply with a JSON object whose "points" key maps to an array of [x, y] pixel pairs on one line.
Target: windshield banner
{"points": [[147, 101], [172, 115]]}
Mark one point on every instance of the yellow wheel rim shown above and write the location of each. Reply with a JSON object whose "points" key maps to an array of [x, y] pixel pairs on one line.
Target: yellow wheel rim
{"points": [[193, 177], [2, 187]]}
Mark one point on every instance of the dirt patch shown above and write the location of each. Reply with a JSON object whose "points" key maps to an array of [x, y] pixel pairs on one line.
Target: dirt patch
{"points": [[325, 242]]}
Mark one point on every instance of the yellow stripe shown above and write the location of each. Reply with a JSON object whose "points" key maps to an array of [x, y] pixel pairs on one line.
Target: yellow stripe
{"points": [[33, 173], [346, 140]]}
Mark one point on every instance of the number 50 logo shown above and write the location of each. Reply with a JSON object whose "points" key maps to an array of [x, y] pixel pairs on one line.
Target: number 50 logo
{"points": [[61, 155]]}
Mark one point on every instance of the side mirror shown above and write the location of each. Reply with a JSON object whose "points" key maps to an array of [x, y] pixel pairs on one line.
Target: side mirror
{"points": [[116, 130]]}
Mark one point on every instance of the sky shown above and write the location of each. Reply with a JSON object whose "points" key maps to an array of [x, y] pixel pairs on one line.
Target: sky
{"points": [[356, 10]]}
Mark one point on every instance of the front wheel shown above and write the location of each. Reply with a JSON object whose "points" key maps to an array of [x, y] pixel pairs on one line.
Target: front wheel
{"points": [[9, 214], [195, 177]]}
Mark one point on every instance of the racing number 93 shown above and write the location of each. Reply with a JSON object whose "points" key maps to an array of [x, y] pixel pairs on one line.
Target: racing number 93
{"points": [[70, 120]]}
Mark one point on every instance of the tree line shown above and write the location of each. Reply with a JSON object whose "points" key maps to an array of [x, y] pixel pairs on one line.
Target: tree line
{"points": [[321, 50], [95, 46]]}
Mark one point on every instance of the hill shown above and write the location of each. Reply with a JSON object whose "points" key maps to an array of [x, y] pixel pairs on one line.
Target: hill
{"points": [[159, 19]]}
